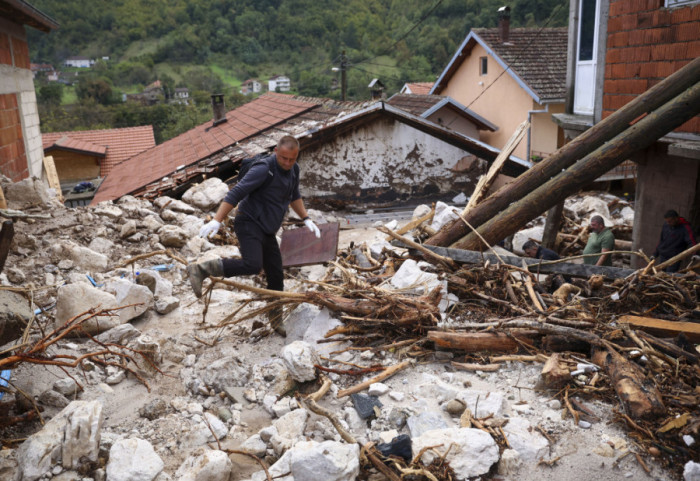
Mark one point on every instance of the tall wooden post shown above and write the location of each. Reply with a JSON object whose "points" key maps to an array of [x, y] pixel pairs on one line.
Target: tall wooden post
{"points": [[568, 155], [642, 134]]}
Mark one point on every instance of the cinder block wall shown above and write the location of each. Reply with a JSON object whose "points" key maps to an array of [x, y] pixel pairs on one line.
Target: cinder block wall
{"points": [[21, 153], [647, 42]]}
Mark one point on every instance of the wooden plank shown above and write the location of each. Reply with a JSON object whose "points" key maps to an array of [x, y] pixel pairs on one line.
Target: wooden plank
{"points": [[663, 328], [52, 176], [6, 235], [300, 247], [3, 202], [534, 265], [486, 181]]}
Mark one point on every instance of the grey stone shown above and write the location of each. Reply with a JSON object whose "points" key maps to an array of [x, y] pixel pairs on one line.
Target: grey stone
{"points": [[691, 471], [15, 275], [509, 463], [172, 236], [102, 245], [121, 334], [14, 315], [472, 452], [127, 293], [74, 299], [254, 445], [212, 465], [299, 358], [53, 398], [225, 372], [156, 284], [26, 193], [108, 209], [128, 229], [9, 467], [292, 425], [364, 404], [167, 304], [206, 195], [530, 444], [455, 407], [155, 409], [66, 386]]}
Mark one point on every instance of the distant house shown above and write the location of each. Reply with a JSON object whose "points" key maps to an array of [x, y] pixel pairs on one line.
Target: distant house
{"points": [[181, 95], [153, 93], [278, 83], [511, 75], [418, 88], [78, 62], [619, 49], [87, 155], [251, 86], [21, 154], [40, 67]]}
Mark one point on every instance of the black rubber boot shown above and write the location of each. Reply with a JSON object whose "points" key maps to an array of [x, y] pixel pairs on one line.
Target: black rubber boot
{"points": [[276, 318], [198, 272]]}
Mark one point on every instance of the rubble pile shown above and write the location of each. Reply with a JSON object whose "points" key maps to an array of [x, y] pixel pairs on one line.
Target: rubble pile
{"points": [[397, 364]]}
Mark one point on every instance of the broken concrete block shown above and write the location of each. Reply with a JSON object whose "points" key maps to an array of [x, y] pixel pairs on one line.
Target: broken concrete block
{"points": [[108, 209], [132, 459], [530, 444], [472, 451], [14, 315], [27, 193], [173, 204], [127, 293], [211, 465], [74, 299], [129, 228], [206, 195], [444, 214], [172, 236], [299, 358]]}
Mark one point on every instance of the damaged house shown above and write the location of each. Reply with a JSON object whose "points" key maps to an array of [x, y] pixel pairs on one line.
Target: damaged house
{"points": [[351, 152]]}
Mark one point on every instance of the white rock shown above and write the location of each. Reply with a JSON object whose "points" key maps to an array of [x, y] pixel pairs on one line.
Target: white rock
{"points": [[460, 198], [179, 206], [327, 461], [9, 467], [206, 195], [66, 386], [254, 445], [217, 425], [473, 451], [589, 206], [688, 439], [150, 348], [392, 224], [510, 462], [224, 372], [317, 329], [530, 444], [378, 389], [74, 299], [108, 209], [443, 215], [126, 293], [292, 424], [299, 358], [129, 228], [299, 320], [424, 422], [691, 471], [133, 460], [484, 403], [165, 305], [387, 436], [208, 466], [121, 334], [102, 245], [397, 396], [72, 434], [420, 211], [172, 236]]}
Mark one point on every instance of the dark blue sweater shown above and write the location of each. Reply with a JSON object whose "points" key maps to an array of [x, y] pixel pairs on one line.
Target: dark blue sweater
{"points": [[265, 201]]}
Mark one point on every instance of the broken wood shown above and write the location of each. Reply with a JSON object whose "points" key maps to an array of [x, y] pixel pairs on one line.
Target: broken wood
{"points": [[449, 263], [551, 226], [637, 393], [52, 176], [683, 255], [413, 224], [664, 328], [570, 153], [486, 181], [471, 366], [554, 374], [3, 201], [479, 341], [642, 134], [6, 235], [390, 371]]}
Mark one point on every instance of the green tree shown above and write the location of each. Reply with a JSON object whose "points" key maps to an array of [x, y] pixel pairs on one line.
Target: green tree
{"points": [[51, 94]]}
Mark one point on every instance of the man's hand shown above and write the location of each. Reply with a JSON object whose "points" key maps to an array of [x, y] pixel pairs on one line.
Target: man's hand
{"points": [[210, 228], [312, 227]]}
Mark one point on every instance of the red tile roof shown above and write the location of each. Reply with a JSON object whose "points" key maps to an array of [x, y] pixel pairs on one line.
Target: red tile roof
{"points": [[419, 88], [116, 145], [200, 142]]}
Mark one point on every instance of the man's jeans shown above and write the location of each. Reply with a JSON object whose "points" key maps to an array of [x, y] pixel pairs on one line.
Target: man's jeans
{"points": [[258, 251]]}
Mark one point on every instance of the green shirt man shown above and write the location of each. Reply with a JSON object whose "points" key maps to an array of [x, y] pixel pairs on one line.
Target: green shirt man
{"points": [[601, 240]]}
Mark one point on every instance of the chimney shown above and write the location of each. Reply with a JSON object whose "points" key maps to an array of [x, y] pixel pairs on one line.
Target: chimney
{"points": [[504, 23], [217, 104]]}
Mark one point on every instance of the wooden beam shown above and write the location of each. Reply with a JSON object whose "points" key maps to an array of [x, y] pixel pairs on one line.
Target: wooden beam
{"points": [[551, 226], [479, 341], [52, 176], [486, 181], [641, 135], [569, 154], [664, 328], [534, 265]]}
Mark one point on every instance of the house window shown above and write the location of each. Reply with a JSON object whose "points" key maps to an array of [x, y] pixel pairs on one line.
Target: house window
{"points": [[587, 33], [680, 3], [483, 65]]}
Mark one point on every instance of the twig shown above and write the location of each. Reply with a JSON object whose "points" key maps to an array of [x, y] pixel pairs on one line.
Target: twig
{"points": [[322, 390], [446, 261], [475, 367], [386, 374]]}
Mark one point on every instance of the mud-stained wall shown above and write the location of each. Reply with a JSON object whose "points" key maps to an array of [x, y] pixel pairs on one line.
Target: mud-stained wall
{"points": [[385, 160]]}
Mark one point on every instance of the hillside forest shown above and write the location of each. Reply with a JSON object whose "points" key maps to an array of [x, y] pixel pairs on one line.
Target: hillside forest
{"points": [[212, 46]]}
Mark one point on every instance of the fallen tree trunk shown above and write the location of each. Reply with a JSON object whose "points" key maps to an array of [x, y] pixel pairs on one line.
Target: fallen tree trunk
{"points": [[597, 163], [639, 396], [569, 154], [479, 341], [534, 265], [664, 328]]}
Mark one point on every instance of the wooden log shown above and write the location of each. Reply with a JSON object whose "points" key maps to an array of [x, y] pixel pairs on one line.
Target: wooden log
{"points": [[683, 255], [472, 366], [6, 235], [569, 154], [479, 341], [534, 265], [664, 328], [669, 348], [642, 134], [486, 181], [554, 374], [639, 396], [390, 371], [551, 226], [413, 224]]}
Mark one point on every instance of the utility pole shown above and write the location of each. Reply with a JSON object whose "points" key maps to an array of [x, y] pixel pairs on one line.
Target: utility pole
{"points": [[343, 75]]}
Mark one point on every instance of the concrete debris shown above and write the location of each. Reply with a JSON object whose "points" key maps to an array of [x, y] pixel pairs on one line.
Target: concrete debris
{"points": [[210, 382]]}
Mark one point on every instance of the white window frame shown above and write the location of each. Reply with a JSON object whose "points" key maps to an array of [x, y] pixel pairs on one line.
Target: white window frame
{"points": [[483, 62], [680, 3]]}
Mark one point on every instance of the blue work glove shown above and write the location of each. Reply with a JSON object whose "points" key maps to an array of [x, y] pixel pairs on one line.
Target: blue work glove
{"points": [[209, 229], [312, 227]]}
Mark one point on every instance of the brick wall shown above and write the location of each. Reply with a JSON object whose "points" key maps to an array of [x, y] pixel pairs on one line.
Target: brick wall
{"points": [[14, 49], [646, 43], [13, 160]]}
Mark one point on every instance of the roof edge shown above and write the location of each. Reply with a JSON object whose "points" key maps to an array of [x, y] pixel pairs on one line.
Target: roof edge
{"points": [[41, 21]]}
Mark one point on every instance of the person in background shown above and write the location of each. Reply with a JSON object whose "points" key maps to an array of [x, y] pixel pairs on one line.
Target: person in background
{"points": [[600, 241], [263, 197], [536, 251], [676, 236]]}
